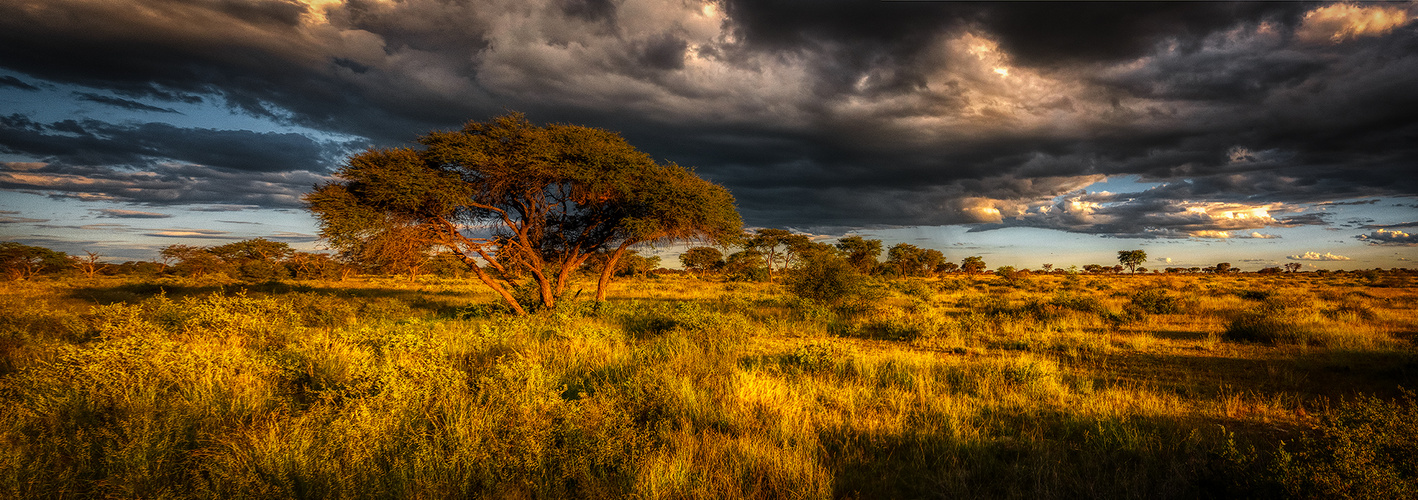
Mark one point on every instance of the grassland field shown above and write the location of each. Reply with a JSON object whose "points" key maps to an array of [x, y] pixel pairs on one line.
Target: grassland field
{"points": [[1050, 386]]}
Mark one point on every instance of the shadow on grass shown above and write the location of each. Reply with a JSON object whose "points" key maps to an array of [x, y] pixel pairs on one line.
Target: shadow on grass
{"points": [[440, 303], [1034, 454], [1321, 373]]}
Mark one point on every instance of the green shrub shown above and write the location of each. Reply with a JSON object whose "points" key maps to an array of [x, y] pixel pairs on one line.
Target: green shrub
{"points": [[992, 305], [1365, 448], [1082, 303], [827, 279], [1266, 328], [817, 356], [918, 290], [1156, 301]]}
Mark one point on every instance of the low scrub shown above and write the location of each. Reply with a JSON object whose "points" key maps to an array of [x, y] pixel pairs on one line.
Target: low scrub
{"points": [[1365, 448]]}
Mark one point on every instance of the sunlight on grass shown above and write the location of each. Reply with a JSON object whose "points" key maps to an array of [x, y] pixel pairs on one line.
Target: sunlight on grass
{"points": [[1050, 386]]}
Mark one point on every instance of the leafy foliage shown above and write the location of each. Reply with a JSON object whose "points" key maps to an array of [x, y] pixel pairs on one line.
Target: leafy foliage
{"points": [[1132, 258], [860, 252], [702, 259], [551, 195], [1365, 448], [18, 261], [826, 278]]}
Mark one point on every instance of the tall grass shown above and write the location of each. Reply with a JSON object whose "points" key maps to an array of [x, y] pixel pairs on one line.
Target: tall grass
{"points": [[1039, 389]]}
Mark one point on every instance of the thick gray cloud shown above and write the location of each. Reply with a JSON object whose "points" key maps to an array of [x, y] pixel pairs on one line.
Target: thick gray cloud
{"points": [[10, 81], [127, 104], [95, 143], [129, 214], [813, 114]]}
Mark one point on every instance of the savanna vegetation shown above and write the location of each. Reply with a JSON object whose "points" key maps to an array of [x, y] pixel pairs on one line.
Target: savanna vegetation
{"points": [[463, 341], [1047, 385]]}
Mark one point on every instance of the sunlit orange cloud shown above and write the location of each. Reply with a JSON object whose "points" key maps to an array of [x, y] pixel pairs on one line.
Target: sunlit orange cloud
{"points": [[1222, 235], [1338, 22]]}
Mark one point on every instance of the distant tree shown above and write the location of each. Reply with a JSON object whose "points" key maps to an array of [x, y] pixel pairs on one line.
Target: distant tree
{"points": [[256, 259], [1292, 267], [777, 246], [746, 265], [702, 259], [1008, 273], [905, 259], [549, 196], [1269, 270], [22, 262], [313, 266], [1140, 270], [192, 261], [91, 264], [1047, 267], [1223, 268], [1132, 258], [861, 253], [946, 267], [1092, 268], [972, 265], [634, 264]]}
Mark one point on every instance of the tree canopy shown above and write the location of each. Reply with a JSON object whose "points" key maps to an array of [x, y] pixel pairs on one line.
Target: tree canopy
{"points": [[860, 252], [514, 199], [1132, 258]]}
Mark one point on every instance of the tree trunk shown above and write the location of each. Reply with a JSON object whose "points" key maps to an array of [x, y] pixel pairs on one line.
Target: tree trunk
{"points": [[608, 270], [494, 285]]}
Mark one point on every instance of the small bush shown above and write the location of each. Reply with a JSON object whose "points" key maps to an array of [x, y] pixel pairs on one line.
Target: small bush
{"points": [[914, 289], [1266, 328], [987, 305], [1156, 301], [1082, 303], [1366, 448], [826, 279], [814, 357]]}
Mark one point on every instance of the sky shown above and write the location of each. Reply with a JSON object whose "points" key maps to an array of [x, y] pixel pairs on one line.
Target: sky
{"points": [[1255, 133]]}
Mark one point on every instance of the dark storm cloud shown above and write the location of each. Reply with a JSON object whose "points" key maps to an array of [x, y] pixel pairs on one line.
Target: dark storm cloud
{"points": [[10, 81], [129, 214], [92, 143], [121, 103], [98, 161], [838, 113], [1341, 203]]}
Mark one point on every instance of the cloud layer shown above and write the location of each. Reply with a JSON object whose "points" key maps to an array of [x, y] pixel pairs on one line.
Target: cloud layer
{"points": [[837, 113]]}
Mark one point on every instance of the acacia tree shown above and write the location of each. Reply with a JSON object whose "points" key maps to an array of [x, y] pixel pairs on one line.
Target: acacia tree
{"points": [[1132, 258], [91, 265], [972, 264], [778, 246], [860, 252], [906, 259], [702, 259], [22, 262], [510, 198]]}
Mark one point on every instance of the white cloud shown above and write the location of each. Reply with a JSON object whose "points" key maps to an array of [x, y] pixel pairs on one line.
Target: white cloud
{"points": [[1389, 237], [1315, 256]]}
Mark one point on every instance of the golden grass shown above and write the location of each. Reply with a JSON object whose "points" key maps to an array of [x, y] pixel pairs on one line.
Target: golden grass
{"points": [[1055, 386]]}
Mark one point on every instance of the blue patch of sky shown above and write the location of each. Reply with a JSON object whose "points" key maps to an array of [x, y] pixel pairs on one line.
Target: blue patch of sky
{"points": [[55, 102], [1121, 184]]}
